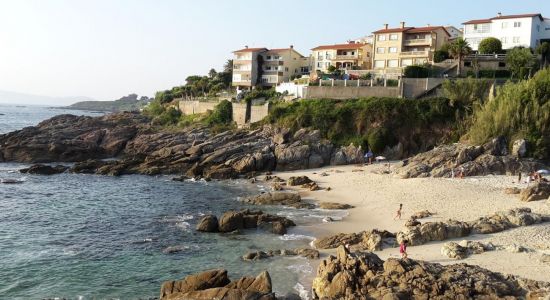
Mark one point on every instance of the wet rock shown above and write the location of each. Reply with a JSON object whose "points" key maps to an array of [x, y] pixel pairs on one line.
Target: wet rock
{"points": [[231, 221], [298, 180], [40, 169], [174, 249], [538, 191], [304, 252], [208, 223], [333, 205]]}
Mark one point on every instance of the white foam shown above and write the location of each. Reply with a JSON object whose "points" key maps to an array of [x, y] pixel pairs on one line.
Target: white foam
{"points": [[295, 237], [302, 292]]}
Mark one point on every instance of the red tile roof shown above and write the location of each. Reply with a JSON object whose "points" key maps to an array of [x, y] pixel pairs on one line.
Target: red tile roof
{"points": [[392, 30], [412, 29], [250, 50], [349, 46], [481, 21]]}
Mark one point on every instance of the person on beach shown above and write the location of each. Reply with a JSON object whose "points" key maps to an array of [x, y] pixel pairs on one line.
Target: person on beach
{"points": [[398, 214], [369, 155], [403, 249], [519, 177]]}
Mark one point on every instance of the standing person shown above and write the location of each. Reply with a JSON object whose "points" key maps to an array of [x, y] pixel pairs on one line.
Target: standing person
{"points": [[398, 214], [369, 156], [519, 177], [403, 249]]}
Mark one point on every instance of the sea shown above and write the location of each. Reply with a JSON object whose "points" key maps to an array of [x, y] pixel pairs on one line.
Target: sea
{"points": [[76, 236]]}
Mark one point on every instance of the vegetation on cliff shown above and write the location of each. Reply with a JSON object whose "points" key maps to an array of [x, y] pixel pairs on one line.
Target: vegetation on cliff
{"points": [[126, 103], [520, 110], [374, 122]]}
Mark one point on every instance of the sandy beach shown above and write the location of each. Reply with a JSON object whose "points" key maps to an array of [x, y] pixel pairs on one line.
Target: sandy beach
{"points": [[376, 197]]}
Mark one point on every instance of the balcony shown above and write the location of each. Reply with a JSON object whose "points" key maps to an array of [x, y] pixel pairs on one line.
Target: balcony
{"points": [[414, 53], [417, 42], [346, 57]]}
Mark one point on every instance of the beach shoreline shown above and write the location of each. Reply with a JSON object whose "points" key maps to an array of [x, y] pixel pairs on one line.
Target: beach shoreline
{"points": [[376, 197]]}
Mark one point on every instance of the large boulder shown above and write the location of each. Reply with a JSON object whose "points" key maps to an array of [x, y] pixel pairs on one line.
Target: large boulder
{"points": [[274, 198], [200, 281], [519, 148], [231, 221], [538, 191], [208, 223], [334, 205], [298, 180]]}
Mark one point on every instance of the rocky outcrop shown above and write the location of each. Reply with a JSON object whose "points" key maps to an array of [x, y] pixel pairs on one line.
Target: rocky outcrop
{"points": [[143, 149], [274, 198], [304, 252], [366, 240], [298, 180], [333, 205], [491, 158], [215, 284], [465, 248], [40, 169], [246, 219], [366, 276], [538, 191], [433, 231], [507, 219]]}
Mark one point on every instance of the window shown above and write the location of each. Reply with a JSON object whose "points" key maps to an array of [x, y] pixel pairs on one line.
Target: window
{"points": [[319, 65], [380, 50], [393, 49], [517, 24], [406, 62], [504, 25], [352, 52], [304, 70], [504, 40], [393, 37], [382, 37], [538, 28], [286, 69], [393, 63], [516, 40], [379, 64], [276, 57], [268, 57]]}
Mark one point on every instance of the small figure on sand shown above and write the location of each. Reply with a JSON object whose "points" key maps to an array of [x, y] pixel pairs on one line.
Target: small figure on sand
{"points": [[369, 155], [403, 249], [398, 214], [519, 177]]}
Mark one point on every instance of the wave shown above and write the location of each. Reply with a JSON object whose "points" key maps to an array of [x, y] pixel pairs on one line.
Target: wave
{"points": [[302, 292], [296, 237]]}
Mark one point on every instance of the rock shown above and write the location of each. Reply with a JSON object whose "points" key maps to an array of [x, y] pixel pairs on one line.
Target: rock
{"points": [[261, 283], [337, 240], [298, 180], [538, 191], [421, 214], [231, 221], [174, 249], [516, 249], [200, 281], [366, 240], [40, 169], [519, 148], [11, 181], [222, 294], [328, 219], [208, 223], [512, 191], [505, 220], [304, 252], [276, 186], [278, 228], [433, 231], [274, 198], [364, 276], [333, 205], [312, 186], [454, 250]]}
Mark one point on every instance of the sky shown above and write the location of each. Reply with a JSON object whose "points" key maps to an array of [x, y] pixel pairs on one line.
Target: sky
{"points": [[105, 49]]}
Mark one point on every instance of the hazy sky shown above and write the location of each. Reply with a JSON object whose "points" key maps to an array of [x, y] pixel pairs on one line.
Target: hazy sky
{"points": [[105, 49]]}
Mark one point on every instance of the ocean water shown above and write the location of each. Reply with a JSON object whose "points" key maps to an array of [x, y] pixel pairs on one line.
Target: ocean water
{"points": [[97, 237]]}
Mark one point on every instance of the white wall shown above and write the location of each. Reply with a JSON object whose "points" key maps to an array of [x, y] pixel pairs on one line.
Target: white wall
{"points": [[292, 89]]}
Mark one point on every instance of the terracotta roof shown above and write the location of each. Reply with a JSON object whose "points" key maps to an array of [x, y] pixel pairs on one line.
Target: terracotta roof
{"points": [[349, 46], [481, 21], [250, 50], [392, 30]]}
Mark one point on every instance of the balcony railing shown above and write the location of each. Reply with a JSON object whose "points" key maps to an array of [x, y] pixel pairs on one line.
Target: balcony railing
{"points": [[414, 53], [346, 57], [412, 42]]}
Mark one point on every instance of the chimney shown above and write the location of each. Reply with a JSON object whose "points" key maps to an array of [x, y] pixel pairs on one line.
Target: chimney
{"points": [[499, 14], [291, 46], [385, 26], [402, 24], [246, 47], [428, 25]]}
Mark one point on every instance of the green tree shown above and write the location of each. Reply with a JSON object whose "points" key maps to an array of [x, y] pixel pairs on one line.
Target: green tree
{"points": [[544, 51], [490, 45], [466, 91], [331, 68], [458, 49], [212, 73], [228, 66], [518, 59]]}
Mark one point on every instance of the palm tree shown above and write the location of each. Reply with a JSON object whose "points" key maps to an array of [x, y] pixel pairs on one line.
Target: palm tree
{"points": [[458, 49]]}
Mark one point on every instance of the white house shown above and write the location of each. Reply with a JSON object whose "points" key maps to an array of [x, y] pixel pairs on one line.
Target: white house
{"points": [[528, 30], [453, 32]]}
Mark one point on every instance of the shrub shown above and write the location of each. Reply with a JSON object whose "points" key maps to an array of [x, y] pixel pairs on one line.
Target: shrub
{"points": [[392, 82], [222, 114], [490, 45], [441, 55], [465, 92], [169, 116], [520, 110], [379, 138], [518, 59], [416, 72]]}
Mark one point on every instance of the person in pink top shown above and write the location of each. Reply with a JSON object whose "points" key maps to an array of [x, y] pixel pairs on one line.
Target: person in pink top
{"points": [[403, 249]]}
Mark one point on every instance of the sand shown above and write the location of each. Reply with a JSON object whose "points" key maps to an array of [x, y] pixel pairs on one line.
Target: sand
{"points": [[376, 197]]}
